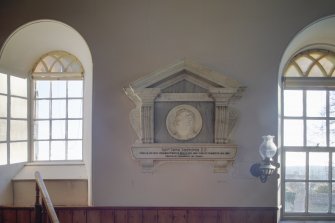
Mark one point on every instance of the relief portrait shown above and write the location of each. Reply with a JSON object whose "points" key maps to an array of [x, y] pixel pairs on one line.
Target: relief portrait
{"points": [[184, 122]]}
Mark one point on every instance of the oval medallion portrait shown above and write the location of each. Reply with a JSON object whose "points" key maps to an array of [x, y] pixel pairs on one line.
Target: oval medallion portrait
{"points": [[184, 122]]}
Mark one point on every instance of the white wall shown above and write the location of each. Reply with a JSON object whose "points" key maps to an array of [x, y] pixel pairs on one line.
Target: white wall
{"points": [[6, 190], [128, 39]]}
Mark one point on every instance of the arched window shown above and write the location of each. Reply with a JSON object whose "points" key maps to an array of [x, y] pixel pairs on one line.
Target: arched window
{"points": [[57, 114], [308, 134]]}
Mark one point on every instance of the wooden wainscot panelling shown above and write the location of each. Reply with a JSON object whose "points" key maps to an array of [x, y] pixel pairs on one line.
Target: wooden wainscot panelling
{"points": [[210, 216], [233, 216], [165, 216], [23, 216], [179, 216], [150, 215], [79, 215], [65, 216], [93, 216], [9, 216], [134, 216], [145, 215], [120, 216], [107, 216], [194, 216]]}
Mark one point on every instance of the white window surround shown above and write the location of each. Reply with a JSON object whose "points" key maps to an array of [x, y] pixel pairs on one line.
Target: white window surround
{"points": [[17, 56]]}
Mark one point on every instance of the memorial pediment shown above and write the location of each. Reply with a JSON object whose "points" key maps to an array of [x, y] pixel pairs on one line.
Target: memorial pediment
{"points": [[183, 113]]}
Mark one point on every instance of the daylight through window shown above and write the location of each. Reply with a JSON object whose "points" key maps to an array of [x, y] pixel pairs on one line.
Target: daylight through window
{"points": [[58, 107], [309, 134]]}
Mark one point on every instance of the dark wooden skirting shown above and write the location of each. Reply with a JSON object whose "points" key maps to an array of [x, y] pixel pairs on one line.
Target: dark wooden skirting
{"points": [[146, 215]]}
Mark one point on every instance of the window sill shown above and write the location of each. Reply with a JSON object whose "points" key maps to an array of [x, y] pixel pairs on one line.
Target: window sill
{"points": [[55, 163], [58, 170]]}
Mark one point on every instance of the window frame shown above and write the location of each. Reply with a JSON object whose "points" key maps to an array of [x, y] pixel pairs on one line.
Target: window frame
{"points": [[9, 141], [305, 84], [58, 75]]}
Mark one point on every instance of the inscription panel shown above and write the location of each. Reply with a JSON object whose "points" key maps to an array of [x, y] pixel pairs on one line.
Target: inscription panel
{"points": [[199, 152]]}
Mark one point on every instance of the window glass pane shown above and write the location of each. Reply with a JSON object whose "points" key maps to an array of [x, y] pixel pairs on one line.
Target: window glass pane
{"points": [[18, 152], [304, 63], [318, 197], [3, 83], [333, 198], [57, 150], [292, 71], [3, 129], [49, 60], [65, 61], [42, 89], [316, 72], [318, 165], [295, 165], [18, 86], [3, 153], [58, 89], [41, 150], [18, 130], [327, 63], [293, 132], [293, 103], [333, 167], [40, 68], [58, 108], [295, 194], [75, 108], [75, 150], [57, 67], [316, 133], [58, 129], [3, 106], [75, 129], [42, 109], [75, 89], [41, 129], [18, 107], [331, 133], [75, 67], [316, 103], [332, 103]]}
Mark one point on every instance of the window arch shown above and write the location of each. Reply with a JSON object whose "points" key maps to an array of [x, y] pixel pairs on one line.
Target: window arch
{"points": [[312, 63], [56, 65]]}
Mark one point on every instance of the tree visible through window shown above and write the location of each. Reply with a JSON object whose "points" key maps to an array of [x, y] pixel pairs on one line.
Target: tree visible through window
{"points": [[309, 134]]}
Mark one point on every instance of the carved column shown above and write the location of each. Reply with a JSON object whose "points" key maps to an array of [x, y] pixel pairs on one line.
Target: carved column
{"points": [[147, 97], [221, 122], [222, 97]]}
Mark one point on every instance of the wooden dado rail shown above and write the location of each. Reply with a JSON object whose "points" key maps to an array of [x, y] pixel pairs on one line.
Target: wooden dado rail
{"points": [[145, 215]]}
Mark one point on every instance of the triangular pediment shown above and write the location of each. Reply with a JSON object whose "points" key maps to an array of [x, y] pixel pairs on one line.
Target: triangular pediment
{"points": [[184, 86], [185, 72]]}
